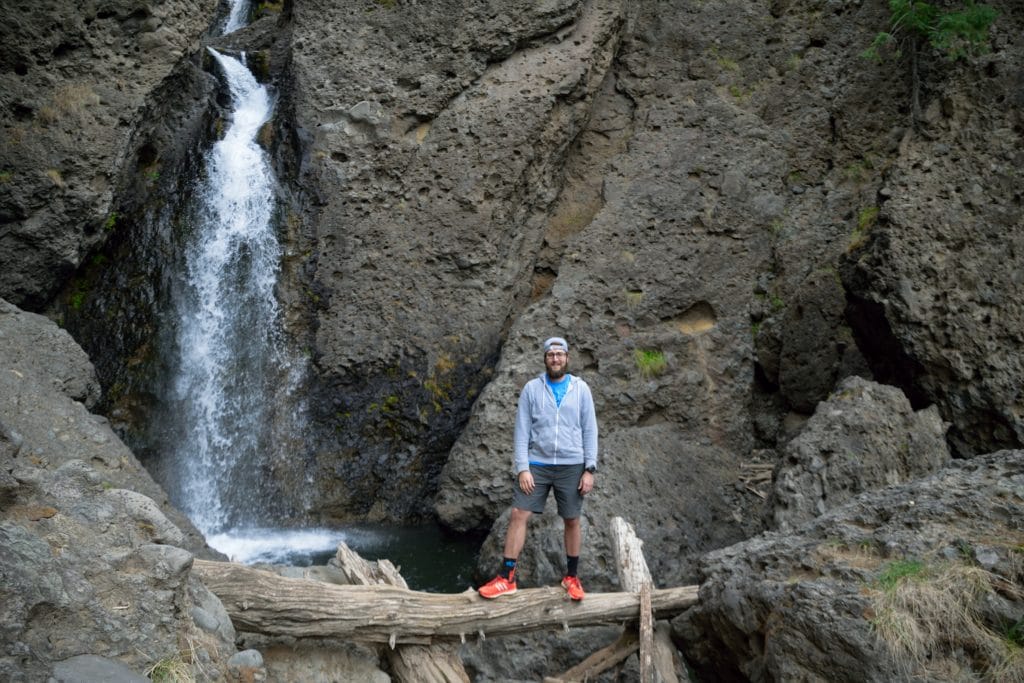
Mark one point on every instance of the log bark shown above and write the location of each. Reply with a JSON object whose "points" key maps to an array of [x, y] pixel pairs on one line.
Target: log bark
{"points": [[410, 663], [656, 653], [603, 659], [262, 602]]}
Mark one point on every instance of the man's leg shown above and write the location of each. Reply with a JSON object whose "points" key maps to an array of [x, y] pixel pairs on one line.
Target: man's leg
{"points": [[573, 537], [573, 543], [570, 509], [515, 537]]}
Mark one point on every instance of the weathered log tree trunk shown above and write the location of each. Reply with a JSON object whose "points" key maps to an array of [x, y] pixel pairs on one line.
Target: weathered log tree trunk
{"points": [[409, 663], [262, 602], [657, 661]]}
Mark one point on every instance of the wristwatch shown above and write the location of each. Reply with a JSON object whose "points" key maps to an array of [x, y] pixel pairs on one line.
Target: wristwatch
{"points": [[590, 469]]}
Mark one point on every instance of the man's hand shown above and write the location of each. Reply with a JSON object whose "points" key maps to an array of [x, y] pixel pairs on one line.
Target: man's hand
{"points": [[586, 483], [526, 482]]}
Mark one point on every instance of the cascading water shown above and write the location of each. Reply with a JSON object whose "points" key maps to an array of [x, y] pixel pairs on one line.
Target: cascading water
{"points": [[228, 332], [236, 18], [232, 419], [230, 423]]}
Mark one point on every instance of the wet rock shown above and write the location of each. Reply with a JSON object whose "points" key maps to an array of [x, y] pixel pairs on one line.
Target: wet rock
{"points": [[79, 85]]}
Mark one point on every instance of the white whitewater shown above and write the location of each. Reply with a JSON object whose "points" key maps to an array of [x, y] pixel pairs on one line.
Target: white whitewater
{"points": [[228, 336], [237, 16], [236, 454]]}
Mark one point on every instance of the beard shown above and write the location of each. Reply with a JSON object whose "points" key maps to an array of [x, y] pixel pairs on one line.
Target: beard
{"points": [[557, 373]]}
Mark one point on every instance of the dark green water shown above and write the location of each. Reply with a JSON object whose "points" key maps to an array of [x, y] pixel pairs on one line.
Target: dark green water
{"points": [[429, 558]]}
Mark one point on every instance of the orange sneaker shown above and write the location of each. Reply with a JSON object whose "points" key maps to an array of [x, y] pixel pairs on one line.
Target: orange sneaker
{"points": [[499, 585], [573, 587]]}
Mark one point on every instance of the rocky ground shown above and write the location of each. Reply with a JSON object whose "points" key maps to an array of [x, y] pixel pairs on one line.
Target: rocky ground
{"points": [[831, 289]]}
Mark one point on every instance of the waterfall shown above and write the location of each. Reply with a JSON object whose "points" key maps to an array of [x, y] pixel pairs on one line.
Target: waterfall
{"points": [[236, 18], [229, 339]]}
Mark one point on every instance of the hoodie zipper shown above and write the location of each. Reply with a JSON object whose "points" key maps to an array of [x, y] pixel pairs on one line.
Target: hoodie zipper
{"points": [[558, 409]]}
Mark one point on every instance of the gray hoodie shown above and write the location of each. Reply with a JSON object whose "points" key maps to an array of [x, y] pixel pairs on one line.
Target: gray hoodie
{"points": [[555, 435]]}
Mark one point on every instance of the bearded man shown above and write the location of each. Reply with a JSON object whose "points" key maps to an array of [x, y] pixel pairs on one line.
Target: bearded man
{"points": [[555, 449]]}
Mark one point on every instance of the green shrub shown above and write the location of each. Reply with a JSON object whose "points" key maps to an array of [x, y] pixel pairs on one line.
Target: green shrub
{"points": [[900, 570], [650, 362], [955, 34]]}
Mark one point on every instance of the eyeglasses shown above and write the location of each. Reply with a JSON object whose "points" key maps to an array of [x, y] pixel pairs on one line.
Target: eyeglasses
{"points": [[555, 354]]}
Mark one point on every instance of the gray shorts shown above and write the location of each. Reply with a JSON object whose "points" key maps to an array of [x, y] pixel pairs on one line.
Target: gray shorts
{"points": [[564, 479]]}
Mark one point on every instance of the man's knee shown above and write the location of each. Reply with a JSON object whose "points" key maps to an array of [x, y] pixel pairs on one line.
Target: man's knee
{"points": [[519, 516], [571, 522]]}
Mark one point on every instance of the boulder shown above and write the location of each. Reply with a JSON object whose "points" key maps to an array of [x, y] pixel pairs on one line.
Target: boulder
{"points": [[919, 579], [83, 576], [865, 436], [96, 572], [43, 376]]}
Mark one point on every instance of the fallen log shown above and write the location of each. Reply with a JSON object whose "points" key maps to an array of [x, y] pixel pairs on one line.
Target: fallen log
{"points": [[656, 653], [410, 663], [263, 602]]}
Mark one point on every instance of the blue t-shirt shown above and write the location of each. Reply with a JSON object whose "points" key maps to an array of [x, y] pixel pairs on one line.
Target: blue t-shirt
{"points": [[558, 389]]}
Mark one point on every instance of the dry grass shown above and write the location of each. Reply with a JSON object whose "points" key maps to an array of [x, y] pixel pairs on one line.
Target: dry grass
{"points": [[929, 614], [171, 670]]}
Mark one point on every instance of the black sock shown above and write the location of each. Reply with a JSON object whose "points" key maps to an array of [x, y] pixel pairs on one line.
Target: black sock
{"points": [[572, 565], [508, 566]]}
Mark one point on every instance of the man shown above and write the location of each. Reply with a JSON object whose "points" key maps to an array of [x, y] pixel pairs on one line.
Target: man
{"points": [[555, 448]]}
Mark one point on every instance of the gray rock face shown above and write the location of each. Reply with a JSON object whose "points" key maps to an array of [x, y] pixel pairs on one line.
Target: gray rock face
{"points": [[865, 436], [697, 223], [437, 133], [942, 268], [807, 605], [77, 84], [31, 344]]}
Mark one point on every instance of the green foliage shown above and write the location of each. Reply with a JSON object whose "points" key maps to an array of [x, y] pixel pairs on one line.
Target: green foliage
{"points": [[955, 34], [5, 177], [1015, 633], [867, 217], [900, 570], [111, 222], [650, 362], [266, 7]]}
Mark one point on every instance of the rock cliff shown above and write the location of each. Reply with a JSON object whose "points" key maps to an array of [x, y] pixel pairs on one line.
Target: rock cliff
{"points": [[723, 205]]}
